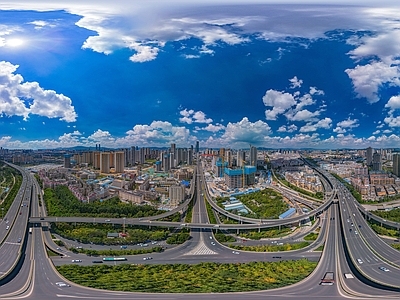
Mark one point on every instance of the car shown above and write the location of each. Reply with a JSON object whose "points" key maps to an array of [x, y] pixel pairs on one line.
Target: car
{"points": [[108, 220], [384, 269], [359, 261], [276, 256], [144, 245], [212, 243], [42, 219], [355, 232], [19, 240], [97, 261], [147, 258], [20, 212], [62, 284], [235, 252], [76, 260], [210, 237], [7, 227]]}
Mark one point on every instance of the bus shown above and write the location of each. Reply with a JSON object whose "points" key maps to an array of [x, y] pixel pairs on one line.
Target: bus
{"points": [[328, 279], [30, 230], [114, 258]]}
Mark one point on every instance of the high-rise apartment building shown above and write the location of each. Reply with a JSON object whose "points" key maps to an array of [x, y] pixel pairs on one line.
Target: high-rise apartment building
{"points": [[119, 163], [377, 162], [396, 164], [253, 156], [369, 156], [104, 162], [197, 147]]}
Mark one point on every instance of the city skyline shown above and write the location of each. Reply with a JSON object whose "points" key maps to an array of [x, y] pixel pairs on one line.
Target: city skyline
{"points": [[228, 74]]}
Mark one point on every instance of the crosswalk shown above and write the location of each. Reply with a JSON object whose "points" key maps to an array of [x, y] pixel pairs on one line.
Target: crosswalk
{"points": [[201, 249]]}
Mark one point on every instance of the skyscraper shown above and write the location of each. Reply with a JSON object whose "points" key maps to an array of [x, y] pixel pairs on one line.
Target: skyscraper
{"points": [[119, 163], [396, 164], [253, 156], [369, 156], [377, 162], [197, 147]]}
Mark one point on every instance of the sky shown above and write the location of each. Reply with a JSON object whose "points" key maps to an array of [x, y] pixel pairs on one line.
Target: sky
{"points": [[298, 74]]}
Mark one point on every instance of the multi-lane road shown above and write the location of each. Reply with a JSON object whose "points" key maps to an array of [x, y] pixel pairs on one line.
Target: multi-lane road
{"points": [[37, 276]]}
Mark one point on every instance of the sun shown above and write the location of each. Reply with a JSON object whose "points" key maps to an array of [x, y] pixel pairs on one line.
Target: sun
{"points": [[14, 42]]}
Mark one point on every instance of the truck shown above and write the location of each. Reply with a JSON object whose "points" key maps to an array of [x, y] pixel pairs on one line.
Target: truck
{"points": [[30, 230], [328, 279], [114, 258]]}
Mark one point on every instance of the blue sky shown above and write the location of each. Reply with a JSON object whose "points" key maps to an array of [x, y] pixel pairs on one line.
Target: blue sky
{"points": [[226, 73]]}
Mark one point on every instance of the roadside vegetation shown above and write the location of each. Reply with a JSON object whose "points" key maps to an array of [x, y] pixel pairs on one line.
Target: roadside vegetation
{"points": [[396, 246], [392, 215], [178, 238], [266, 204], [224, 238], [6, 198], [265, 233], [312, 236], [320, 248], [60, 202], [210, 212], [122, 252], [384, 231], [97, 233], [271, 248], [205, 277]]}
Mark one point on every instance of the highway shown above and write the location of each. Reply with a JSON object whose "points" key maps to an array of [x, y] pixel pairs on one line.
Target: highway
{"points": [[37, 276]]}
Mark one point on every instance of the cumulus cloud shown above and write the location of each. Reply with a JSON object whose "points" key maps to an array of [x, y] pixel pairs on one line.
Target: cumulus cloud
{"points": [[384, 45], [295, 82], [325, 123], [245, 132], [191, 116], [279, 101], [369, 78], [289, 128], [393, 103], [345, 125], [40, 24], [158, 133], [212, 128], [302, 115], [18, 98]]}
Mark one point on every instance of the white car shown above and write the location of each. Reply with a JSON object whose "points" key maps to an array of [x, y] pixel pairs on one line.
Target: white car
{"points": [[76, 260], [212, 243], [384, 269], [235, 252], [359, 261], [62, 284]]}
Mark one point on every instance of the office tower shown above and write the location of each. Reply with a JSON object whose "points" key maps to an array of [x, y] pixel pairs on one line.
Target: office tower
{"points": [[377, 162], [197, 147], [253, 156], [119, 162], [396, 164], [189, 159], [369, 156]]}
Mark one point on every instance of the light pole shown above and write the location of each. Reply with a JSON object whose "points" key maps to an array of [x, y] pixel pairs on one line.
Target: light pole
{"points": [[124, 225]]}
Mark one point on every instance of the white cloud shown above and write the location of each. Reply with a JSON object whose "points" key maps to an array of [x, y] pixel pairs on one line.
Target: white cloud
{"points": [[289, 128], [392, 121], [295, 82], [369, 78], [339, 130], [212, 128], [393, 103], [384, 45], [245, 132], [18, 98], [325, 123], [40, 24], [376, 132], [348, 123], [302, 115], [315, 91], [191, 116], [158, 133], [279, 101]]}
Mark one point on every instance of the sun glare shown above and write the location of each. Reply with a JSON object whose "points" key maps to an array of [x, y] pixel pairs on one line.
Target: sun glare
{"points": [[14, 42]]}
